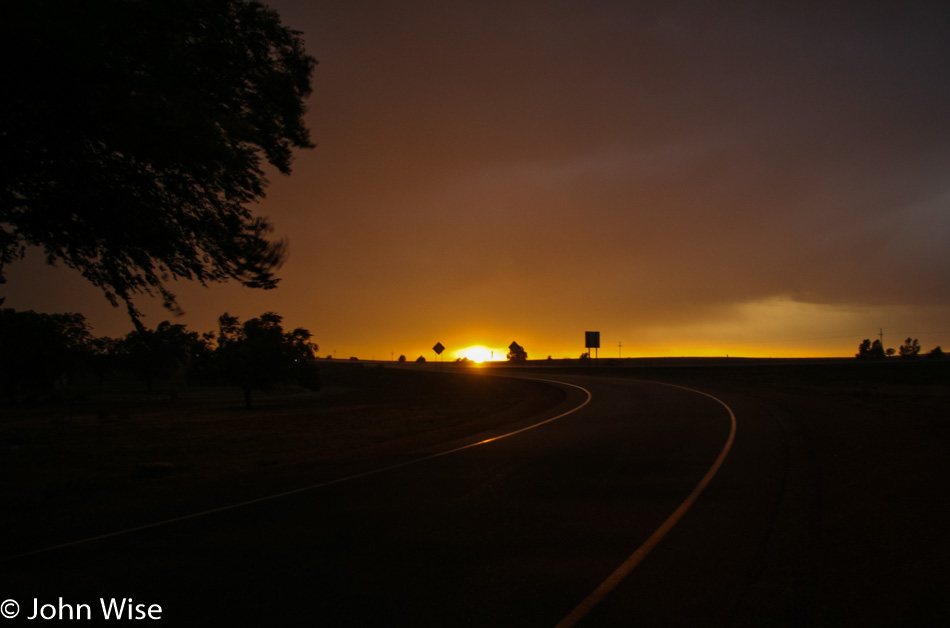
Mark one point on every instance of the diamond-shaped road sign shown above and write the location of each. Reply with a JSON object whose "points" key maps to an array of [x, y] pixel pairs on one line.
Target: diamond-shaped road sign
{"points": [[438, 348]]}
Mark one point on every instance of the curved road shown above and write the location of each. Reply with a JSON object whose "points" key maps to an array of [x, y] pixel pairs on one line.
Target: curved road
{"points": [[518, 531]]}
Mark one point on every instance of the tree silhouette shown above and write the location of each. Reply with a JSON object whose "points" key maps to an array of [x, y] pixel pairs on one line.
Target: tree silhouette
{"points": [[152, 354], [870, 351], [516, 353], [258, 355], [910, 348], [134, 135], [102, 357], [37, 349]]}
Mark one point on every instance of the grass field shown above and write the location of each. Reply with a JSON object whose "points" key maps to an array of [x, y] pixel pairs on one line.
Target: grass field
{"points": [[860, 530], [92, 461]]}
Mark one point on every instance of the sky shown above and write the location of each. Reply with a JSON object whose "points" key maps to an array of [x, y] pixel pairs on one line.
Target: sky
{"points": [[687, 178]]}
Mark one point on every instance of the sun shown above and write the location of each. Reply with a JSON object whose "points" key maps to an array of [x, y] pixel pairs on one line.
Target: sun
{"points": [[476, 354]]}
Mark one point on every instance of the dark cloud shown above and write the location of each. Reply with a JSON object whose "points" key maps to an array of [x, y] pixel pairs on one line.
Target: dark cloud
{"points": [[501, 166]]}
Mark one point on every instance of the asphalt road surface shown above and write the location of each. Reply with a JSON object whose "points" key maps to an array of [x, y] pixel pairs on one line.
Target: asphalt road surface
{"points": [[514, 532]]}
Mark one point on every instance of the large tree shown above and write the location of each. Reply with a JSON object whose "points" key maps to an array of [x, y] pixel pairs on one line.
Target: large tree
{"points": [[153, 354], [135, 135], [517, 353], [37, 349], [910, 348], [870, 351], [259, 354]]}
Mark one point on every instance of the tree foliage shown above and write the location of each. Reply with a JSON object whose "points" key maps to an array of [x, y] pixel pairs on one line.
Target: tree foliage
{"points": [[870, 351], [910, 348], [135, 133], [258, 354], [37, 349], [517, 353], [153, 354]]}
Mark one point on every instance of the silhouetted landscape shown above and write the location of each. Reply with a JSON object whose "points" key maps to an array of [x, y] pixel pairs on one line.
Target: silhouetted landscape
{"points": [[863, 440], [203, 417]]}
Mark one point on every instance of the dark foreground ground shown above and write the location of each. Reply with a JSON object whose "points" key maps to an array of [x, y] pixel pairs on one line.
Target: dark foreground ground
{"points": [[859, 531], [92, 462]]}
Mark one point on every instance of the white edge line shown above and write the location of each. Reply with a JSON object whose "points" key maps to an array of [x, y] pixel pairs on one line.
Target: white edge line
{"points": [[348, 478], [608, 585]]}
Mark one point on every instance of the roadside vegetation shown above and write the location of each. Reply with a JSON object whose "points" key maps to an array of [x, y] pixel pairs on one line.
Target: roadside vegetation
{"points": [[49, 356], [910, 349]]}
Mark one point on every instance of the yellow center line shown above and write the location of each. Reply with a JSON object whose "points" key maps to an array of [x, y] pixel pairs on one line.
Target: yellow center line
{"points": [[608, 585]]}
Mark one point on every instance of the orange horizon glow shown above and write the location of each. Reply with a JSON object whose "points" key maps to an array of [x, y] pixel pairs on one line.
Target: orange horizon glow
{"points": [[776, 328], [673, 217], [480, 354]]}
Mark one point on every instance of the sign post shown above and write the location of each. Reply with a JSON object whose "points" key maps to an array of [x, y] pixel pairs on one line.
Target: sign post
{"points": [[591, 341], [438, 348]]}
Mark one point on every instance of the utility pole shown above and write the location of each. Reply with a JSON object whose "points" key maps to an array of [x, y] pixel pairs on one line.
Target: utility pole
{"points": [[620, 350], [881, 334]]}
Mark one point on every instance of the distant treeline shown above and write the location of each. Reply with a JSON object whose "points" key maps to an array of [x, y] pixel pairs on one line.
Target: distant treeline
{"points": [[40, 350], [868, 350]]}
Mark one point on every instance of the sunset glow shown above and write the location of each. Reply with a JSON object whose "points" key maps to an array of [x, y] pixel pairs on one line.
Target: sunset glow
{"points": [[477, 354], [687, 179]]}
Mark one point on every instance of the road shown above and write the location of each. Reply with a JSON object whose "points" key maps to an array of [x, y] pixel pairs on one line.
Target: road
{"points": [[516, 532]]}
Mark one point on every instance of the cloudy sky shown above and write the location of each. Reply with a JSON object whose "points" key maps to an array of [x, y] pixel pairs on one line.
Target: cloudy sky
{"points": [[687, 178]]}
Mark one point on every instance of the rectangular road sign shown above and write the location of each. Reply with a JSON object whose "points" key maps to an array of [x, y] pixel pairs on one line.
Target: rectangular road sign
{"points": [[592, 339]]}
